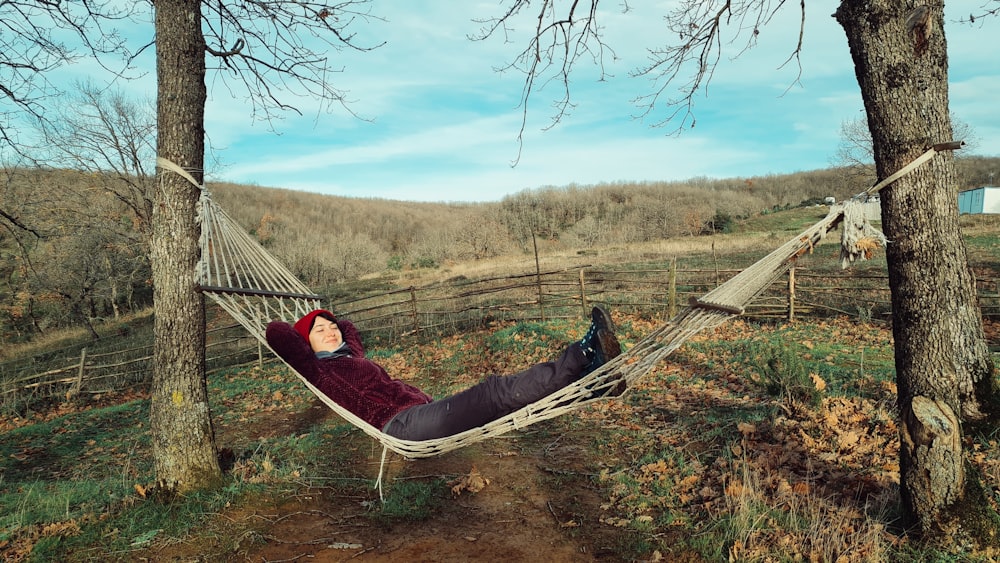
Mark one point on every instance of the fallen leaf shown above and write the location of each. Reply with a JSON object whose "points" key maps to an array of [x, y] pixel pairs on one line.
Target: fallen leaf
{"points": [[818, 382], [473, 482]]}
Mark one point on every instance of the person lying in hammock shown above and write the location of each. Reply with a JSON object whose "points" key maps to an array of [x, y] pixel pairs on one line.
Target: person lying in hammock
{"points": [[328, 352]]}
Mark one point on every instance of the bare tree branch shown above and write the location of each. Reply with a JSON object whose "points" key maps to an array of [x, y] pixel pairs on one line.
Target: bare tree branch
{"points": [[34, 38], [234, 50], [699, 25], [283, 47], [557, 45], [984, 11], [678, 71], [17, 223]]}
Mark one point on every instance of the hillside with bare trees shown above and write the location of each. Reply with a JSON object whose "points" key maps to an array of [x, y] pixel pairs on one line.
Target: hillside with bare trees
{"points": [[74, 249]]}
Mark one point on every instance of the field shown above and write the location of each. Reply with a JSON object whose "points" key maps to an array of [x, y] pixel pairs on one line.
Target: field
{"points": [[760, 441]]}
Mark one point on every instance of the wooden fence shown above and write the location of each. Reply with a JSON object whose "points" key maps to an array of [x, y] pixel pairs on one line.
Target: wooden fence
{"points": [[656, 293], [85, 371], [462, 304]]}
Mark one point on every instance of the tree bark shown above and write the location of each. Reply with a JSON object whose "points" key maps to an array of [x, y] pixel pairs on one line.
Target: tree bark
{"points": [[943, 367], [183, 438]]}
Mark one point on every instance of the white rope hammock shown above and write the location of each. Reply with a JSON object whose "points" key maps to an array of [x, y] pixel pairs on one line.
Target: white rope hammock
{"points": [[252, 286], [248, 283]]}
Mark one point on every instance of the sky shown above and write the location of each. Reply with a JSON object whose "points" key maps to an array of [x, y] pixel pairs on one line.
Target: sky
{"points": [[434, 121]]}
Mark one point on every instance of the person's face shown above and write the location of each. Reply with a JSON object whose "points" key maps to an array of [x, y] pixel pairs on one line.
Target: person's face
{"points": [[325, 335]]}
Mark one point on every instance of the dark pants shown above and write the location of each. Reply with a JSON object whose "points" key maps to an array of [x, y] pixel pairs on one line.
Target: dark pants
{"points": [[492, 398]]}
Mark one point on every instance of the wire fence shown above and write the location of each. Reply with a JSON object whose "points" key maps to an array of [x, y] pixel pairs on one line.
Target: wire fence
{"points": [[408, 314]]}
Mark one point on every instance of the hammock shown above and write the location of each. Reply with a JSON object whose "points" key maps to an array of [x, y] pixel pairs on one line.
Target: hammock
{"points": [[238, 274]]}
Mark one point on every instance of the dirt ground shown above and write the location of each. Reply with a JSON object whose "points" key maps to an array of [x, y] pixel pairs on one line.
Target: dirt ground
{"points": [[516, 498], [511, 518]]}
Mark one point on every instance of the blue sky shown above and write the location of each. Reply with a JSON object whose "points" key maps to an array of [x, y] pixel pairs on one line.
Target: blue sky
{"points": [[441, 125]]}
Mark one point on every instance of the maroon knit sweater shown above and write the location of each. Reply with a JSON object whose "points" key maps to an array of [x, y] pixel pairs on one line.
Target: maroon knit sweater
{"points": [[353, 382]]}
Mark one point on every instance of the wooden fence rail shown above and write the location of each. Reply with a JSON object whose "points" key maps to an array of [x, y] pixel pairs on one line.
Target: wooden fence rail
{"points": [[443, 308]]}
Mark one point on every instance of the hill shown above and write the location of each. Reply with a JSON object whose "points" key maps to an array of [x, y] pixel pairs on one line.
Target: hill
{"points": [[77, 254]]}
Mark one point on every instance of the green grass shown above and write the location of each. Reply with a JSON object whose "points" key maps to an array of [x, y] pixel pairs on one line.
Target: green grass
{"points": [[84, 471], [789, 221], [411, 501], [783, 357], [529, 339]]}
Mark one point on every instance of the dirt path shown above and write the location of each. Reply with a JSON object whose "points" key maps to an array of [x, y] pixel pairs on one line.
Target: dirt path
{"points": [[513, 517], [529, 498]]}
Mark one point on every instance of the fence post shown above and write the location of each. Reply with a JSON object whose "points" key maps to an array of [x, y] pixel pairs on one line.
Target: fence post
{"points": [[77, 386], [260, 354], [413, 310], [672, 289], [538, 276], [583, 295], [791, 294], [715, 259]]}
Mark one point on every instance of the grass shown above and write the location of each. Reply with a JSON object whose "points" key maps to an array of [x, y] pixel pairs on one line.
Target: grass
{"points": [[126, 332], [412, 501], [82, 481], [698, 458]]}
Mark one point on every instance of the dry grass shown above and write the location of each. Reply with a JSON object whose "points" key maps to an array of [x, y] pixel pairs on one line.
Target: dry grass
{"points": [[977, 225], [555, 258], [44, 342], [51, 340], [794, 523]]}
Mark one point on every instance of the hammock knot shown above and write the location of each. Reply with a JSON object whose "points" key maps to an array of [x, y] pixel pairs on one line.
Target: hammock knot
{"points": [[858, 239]]}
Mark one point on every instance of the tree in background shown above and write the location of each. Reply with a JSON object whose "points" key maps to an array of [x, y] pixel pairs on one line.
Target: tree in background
{"points": [[17, 240], [111, 138], [944, 371], [101, 131], [856, 154]]}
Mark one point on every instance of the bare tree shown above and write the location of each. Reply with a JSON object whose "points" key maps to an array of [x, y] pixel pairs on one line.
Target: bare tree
{"points": [[265, 51], [856, 154], [37, 38], [103, 132], [943, 366]]}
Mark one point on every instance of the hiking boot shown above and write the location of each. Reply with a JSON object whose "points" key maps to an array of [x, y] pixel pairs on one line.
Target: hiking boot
{"points": [[600, 320], [600, 345]]}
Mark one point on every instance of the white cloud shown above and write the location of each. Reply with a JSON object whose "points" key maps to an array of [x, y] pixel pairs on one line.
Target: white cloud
{"points": [[438, 123]]}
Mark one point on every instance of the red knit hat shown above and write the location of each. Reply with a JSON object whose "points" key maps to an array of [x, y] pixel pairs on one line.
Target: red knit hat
{"points": [[305, 324]]}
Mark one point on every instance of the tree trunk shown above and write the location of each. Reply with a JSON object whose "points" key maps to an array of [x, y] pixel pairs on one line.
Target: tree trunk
{"points": [[943, 367], [183, 438]]}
